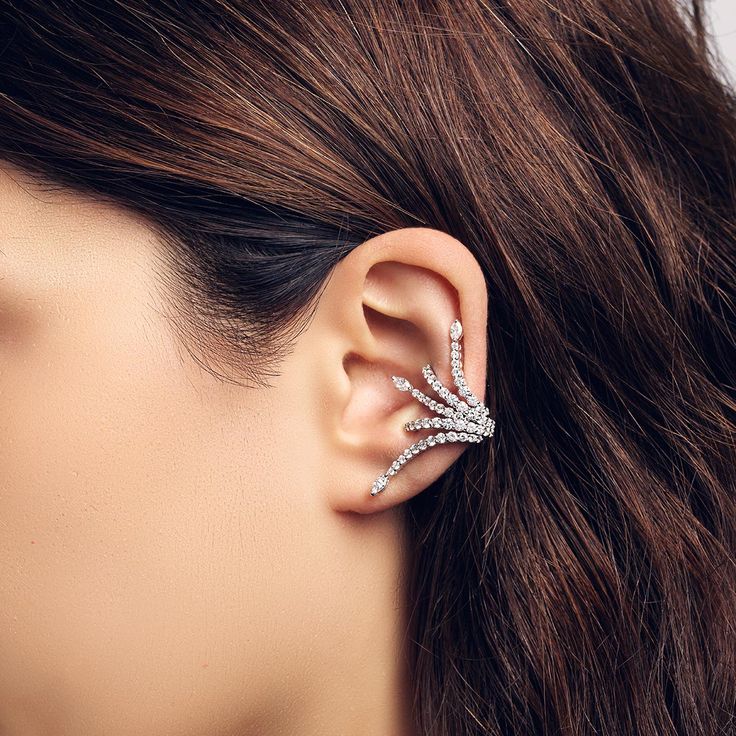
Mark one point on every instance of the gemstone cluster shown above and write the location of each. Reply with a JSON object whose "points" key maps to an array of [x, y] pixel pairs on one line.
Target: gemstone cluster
{"points": [[464, 416]]}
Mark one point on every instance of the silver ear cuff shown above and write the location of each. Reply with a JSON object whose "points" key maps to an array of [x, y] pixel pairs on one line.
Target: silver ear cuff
{"points": [[467, 420]]}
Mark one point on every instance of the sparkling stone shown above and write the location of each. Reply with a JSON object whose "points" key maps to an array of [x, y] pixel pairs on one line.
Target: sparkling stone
{"points": [[401, 383], [451, 436], [441, 437], [456, 330], [401, 460], [395, 465], [423, 445], [431, 441], [379, 484], [425, 423], [392, 470]]}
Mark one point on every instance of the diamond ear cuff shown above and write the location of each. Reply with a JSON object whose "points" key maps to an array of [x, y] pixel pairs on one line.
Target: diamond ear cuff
{"points": [[467, 420]]}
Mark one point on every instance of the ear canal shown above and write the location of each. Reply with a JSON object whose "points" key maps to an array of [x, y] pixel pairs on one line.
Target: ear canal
{"points": [[467, 419]]}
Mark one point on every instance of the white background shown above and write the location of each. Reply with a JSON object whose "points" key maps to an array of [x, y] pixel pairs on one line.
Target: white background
{"points": [[721, 16]]}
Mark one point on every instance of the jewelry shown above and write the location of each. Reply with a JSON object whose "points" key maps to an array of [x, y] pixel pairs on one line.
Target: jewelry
{"points": [[468, 420]]}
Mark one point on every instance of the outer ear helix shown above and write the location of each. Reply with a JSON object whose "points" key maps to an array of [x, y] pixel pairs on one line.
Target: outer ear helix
{"points": [[467, 418]]}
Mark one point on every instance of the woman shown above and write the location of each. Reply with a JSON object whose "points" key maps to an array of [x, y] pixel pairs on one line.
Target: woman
{"points": [[225, 227]]}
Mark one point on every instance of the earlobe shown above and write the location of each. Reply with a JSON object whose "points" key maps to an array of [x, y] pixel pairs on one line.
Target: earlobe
{"points": [[394, 315]]}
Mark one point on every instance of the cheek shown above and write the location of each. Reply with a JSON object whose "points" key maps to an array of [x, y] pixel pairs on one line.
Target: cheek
{"points": [[135, 552]]}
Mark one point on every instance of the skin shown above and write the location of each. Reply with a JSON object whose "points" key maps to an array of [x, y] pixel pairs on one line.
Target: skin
{"points": [[180, 555]]}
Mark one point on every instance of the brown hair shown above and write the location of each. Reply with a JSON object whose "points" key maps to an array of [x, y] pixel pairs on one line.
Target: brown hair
{"points": [[576, 575]]}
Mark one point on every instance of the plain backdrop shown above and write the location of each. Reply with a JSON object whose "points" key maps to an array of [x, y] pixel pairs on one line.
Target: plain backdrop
{"points": [[722, 26]]}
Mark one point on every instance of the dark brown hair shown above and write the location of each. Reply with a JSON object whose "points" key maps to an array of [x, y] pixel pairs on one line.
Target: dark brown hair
{"points": [[576, 575]]}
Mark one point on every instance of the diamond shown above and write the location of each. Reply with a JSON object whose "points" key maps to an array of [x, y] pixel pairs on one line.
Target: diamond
{"points": [[379, 484], [401, 383], [456, 330]]}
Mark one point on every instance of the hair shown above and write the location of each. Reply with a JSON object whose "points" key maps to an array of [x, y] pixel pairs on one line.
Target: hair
{"points": [[577, 574]]}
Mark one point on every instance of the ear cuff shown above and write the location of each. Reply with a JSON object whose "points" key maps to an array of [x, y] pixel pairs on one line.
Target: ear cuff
{"points": [[466, 419]]}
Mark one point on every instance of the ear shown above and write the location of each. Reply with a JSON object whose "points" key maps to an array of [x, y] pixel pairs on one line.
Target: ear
{"points": [[386, 311]]}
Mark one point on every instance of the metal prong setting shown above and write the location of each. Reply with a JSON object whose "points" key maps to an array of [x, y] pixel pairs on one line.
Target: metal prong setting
{"points": [[465, 417]]}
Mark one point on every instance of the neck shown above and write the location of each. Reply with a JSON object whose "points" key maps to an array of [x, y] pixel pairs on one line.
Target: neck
{"points": [[357, 677]]}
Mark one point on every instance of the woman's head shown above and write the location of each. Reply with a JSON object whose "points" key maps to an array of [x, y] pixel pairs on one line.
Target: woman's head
{"points": [[224, 227]]}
